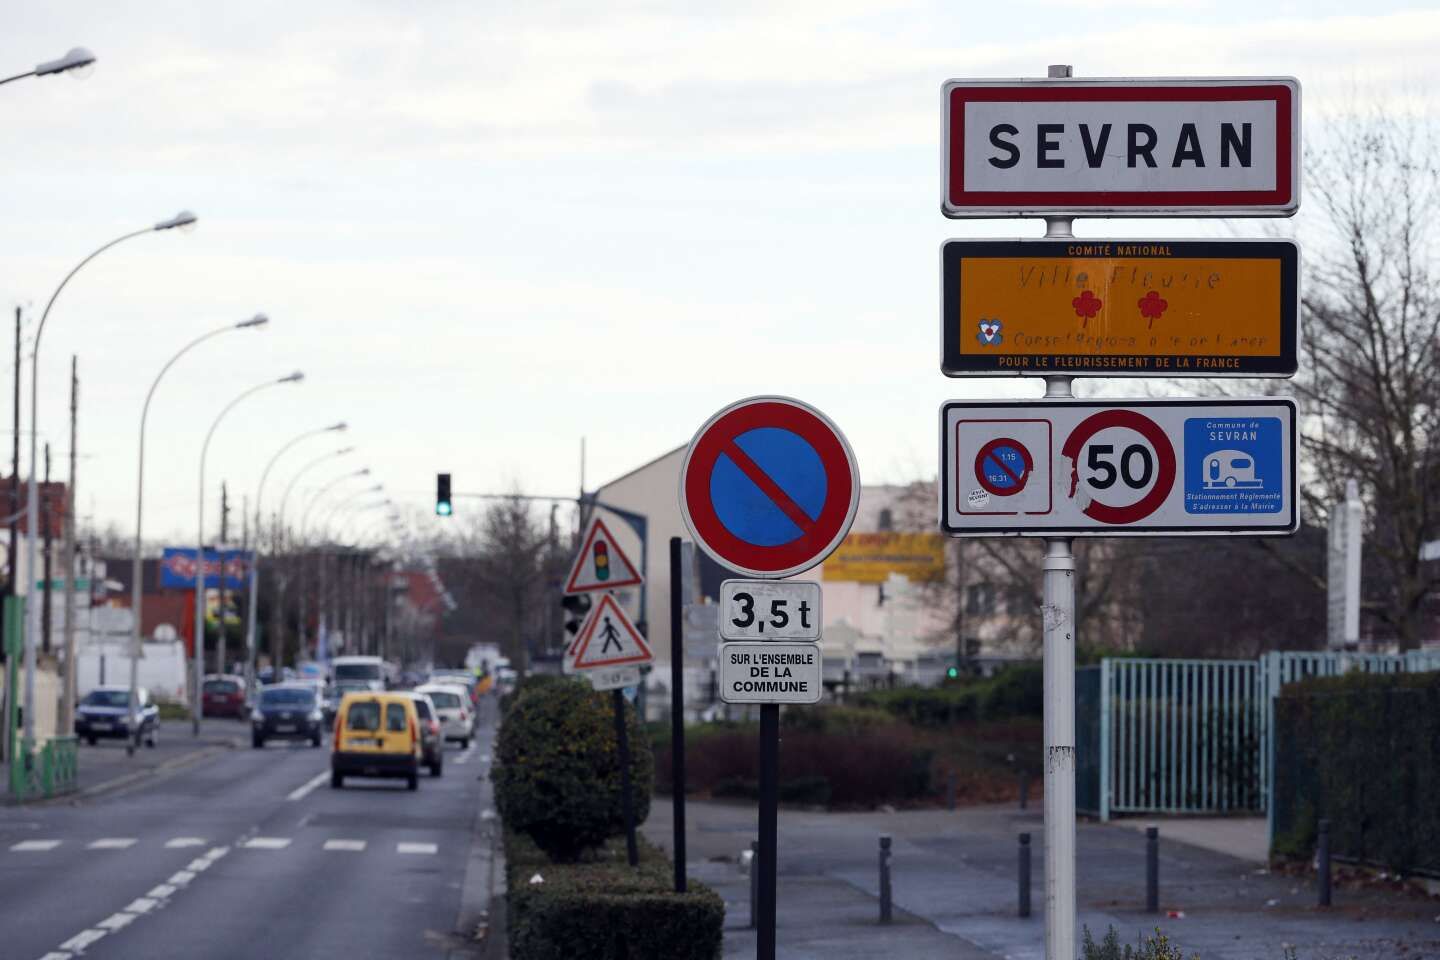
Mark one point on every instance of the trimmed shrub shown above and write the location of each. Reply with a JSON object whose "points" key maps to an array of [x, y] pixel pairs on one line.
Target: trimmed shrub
{"points": [[1015, 692], [1360, 750], [534, 681], [605, 910], [557, 775]]}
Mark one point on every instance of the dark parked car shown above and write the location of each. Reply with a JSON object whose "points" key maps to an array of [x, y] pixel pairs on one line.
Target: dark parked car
{"points": [[105, 712], [223, 695], [287, 711], [432, 745]]}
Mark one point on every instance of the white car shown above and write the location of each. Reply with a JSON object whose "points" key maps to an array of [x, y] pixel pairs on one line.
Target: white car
{"points": [[452, 706]]}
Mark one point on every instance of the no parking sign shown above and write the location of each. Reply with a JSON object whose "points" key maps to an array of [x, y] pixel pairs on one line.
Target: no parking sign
{"points": [[769, 487]]}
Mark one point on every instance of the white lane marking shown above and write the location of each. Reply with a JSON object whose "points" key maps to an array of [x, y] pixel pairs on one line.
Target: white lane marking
{"points": [[27, 846], [52, 955], [161, 892], [487, 814], [112, 843], [140, 905], [266, 843], [180, 877], [299, 792], [216, 853], [180, 843], [416, 848], [82, 940], [116, 921], [484, 758], [356, 845], [198, 864]]}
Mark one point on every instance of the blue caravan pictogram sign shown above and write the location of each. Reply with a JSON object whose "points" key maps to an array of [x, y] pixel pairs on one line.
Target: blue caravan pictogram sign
{"points": [[1234, 465]]}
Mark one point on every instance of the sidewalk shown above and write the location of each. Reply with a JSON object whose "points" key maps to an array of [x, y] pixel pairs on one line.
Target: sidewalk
{"points": [[106, 767], [955, 890]]}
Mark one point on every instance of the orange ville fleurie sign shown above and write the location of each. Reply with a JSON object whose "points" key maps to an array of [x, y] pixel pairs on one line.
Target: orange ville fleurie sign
{"points": [[1181, 308]]}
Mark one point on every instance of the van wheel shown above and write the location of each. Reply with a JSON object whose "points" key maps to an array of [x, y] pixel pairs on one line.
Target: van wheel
{"points": [[315, 740], [436, 768], [464, 743], [153, 739], [257, 741], [412, 782], [337, 780], [90, 740]]}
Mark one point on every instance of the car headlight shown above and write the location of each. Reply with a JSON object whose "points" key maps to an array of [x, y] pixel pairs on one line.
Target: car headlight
{"points": [[316, 716], [257, 717]]}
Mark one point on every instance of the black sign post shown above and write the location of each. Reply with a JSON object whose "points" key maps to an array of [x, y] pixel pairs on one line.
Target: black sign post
{"points": [[677, 711], [627, 801], [769, 793]]}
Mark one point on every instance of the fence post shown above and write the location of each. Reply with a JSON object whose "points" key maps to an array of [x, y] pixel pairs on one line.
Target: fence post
{"points": [[754, 881], [1322, 857], [884, 878], [950, 791], [1152, 869], [1024, 874]]}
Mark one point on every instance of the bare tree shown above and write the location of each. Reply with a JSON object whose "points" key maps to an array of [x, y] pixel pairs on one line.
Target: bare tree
{"points": [[1370, 375]]}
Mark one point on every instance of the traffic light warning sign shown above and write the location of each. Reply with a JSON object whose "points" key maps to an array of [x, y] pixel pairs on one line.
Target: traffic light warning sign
{"points": [[600, 564]]}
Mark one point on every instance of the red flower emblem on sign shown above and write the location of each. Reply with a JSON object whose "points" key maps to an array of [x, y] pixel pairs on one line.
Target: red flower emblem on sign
{"points": [[1151, 306], [1086, 306]]}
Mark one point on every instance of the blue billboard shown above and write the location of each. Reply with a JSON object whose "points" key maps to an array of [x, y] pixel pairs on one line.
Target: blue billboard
{"points": [[177, 568]]}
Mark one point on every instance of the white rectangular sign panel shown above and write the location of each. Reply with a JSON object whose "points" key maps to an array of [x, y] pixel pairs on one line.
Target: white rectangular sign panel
{"points": [[1202, 146], [613, 678], [769, 672], [1051, 467], [770, 610]]}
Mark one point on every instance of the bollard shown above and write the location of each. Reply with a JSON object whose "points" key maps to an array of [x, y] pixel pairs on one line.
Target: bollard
{"points": [[1322, 862], [884, 878], [1024, 874], [1152, 869], [1024, 789], [754, 881], [950, 791]]}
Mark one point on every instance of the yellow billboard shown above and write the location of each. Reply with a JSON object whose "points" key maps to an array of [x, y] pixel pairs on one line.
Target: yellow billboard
{"points": [[1120, 307], [872, 557]]}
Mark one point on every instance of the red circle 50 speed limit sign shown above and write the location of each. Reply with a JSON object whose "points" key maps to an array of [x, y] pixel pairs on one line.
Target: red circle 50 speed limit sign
{"points": [[1128, 465]]}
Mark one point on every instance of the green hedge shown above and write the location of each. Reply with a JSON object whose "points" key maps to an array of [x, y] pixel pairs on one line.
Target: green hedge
{"points": [[1014, 692], [1360, 750], [557, 770], [606, 910]]}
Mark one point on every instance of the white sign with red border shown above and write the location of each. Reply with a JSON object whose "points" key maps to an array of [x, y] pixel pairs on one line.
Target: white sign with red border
{"points": [[600, 564], [608, 639], [1051, 467], [1110, 147]]}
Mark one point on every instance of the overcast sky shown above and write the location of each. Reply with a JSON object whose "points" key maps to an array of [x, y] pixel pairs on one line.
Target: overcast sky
{"points": [[484, 230]]}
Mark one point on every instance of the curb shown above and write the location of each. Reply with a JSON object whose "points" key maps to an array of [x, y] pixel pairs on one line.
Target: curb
{"points": [[130, 779]]}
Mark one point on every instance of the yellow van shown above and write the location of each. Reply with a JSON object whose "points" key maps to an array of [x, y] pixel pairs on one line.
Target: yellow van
{"points": [[376, 735]]}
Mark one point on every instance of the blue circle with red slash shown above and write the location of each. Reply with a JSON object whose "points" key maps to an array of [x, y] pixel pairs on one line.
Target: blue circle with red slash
{"points": [[769, 487], [1002, 466]]}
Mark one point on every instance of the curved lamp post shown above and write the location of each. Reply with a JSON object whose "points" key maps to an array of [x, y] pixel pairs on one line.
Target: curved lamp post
{"points": [[77, 59], [32, 500], [137, 597], [250, 631], [304, 516], [197, 706]]}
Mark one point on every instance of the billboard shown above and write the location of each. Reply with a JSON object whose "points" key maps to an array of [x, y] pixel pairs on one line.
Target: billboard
{"points": [[872, 557], [177, 568]]}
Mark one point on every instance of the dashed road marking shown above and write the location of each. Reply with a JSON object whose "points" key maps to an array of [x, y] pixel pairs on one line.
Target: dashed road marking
{"points": [[52, 955], [28, 846], [161, 892], [116, 921], [180, 877], [266, 843], [111, 843], [416, 848], [140, 905], [82, 939], [356, 845], [299, 792], [179, 843]]}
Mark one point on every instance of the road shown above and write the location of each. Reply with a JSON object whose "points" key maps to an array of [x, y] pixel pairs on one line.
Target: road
{"points": [[249, 853]]}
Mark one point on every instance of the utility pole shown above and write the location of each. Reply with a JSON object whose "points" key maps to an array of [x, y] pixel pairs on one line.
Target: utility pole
{"points": [[249, 560], [14, 470], [220, 558], [49, 537], [67, 533]]}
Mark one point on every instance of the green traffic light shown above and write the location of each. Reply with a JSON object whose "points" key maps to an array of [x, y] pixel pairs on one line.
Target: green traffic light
{"points": [[952, 673], [443, 508]]}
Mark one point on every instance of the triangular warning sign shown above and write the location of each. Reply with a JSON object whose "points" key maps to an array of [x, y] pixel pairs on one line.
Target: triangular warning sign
{"points": [[609, 639], [600, 564]]}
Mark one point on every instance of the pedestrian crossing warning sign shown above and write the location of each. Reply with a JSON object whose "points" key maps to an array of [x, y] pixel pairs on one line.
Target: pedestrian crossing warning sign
{"points": [[600, 564], [609, 639]]}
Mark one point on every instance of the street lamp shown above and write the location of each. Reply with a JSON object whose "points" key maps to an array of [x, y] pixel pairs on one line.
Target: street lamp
{"points": [[304, 517], [75, 63], [32, 499], [197, 706], [329, 517], [250, 630]]}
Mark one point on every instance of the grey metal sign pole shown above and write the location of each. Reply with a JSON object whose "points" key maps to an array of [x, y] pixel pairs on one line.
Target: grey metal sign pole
{"points": [[1058, 617]]}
